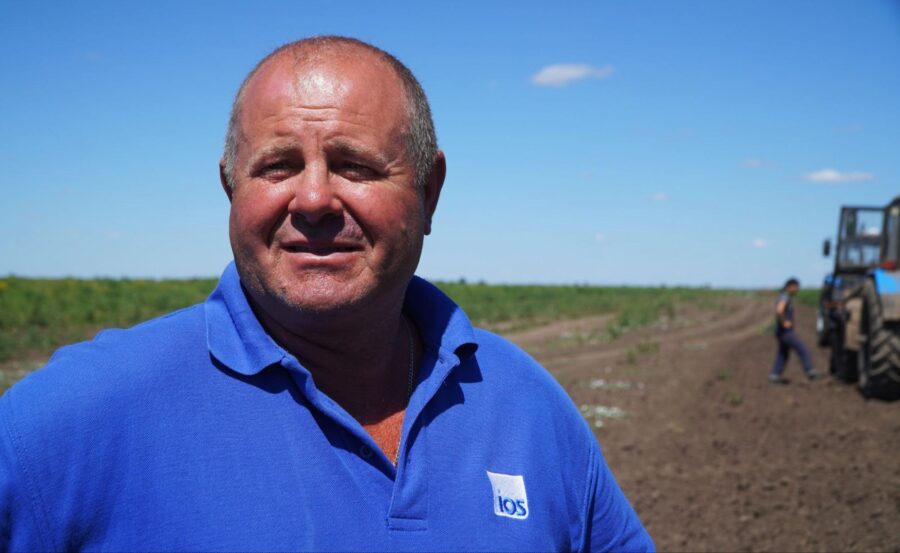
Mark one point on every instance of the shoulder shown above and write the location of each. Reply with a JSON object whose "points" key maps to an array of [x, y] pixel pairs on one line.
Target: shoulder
{"points": [[492, 344], [149, 343], [63, 426], [509, 363], [512, 376], [117, 367]]}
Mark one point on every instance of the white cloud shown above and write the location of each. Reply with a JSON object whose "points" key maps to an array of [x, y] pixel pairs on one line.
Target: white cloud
{"points": [[760, 243], [833, 176], [562, 74], [660, 197]]}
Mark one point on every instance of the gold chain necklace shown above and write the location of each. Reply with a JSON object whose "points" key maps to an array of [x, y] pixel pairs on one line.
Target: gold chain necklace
{"points": [[411, 371]]}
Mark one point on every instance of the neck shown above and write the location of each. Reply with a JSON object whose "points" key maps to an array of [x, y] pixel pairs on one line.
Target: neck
{"points": [[362, 363]]}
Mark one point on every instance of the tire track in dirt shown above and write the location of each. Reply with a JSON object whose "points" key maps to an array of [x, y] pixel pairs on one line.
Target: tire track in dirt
{"points": [[741, 319], [714, 458]]}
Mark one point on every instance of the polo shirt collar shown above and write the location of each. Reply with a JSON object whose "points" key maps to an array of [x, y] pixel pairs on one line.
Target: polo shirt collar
{"points": [[447, 336], [441, 323], [234, 335], [237, 339]]}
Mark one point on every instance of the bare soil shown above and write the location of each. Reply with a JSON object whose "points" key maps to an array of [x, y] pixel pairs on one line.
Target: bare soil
{"points": [[712, 456]]}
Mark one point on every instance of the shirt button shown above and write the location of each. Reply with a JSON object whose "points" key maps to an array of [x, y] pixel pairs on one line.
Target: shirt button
{"points": [[365, 451]]}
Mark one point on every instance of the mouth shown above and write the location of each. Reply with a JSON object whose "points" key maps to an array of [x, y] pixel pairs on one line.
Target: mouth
{"points": [[320, 249]]}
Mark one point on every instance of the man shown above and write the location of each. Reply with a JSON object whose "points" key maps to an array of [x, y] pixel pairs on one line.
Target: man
{"points": [[786, 337], [322, 398]]}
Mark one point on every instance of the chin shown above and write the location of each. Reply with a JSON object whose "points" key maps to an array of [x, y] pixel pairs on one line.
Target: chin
{"points": [[303, 302], [321, 294], [281, 287]]}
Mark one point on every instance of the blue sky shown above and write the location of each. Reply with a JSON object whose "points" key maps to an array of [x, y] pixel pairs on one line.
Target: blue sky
{"points": [[587, 142]]}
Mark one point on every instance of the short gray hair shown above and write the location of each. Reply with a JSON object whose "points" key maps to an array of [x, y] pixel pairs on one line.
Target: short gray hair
{"points": [[421, 139]]}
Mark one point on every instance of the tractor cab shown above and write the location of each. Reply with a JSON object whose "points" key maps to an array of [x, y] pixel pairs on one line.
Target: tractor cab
{"points": [[859, 240], [858, 250]]}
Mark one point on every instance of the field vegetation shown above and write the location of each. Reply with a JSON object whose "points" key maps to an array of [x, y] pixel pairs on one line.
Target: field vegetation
{"points": [[39, 315], [808, 296]]}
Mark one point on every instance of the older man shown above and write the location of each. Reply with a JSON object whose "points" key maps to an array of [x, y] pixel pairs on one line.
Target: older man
{"points": [[322, 398]]}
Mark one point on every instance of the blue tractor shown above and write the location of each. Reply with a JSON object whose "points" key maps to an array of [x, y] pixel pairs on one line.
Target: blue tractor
{"points": [[859, 309]]}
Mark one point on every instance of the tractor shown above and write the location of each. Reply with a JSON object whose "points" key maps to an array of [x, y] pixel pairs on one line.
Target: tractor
{"points": [[859, 308]]}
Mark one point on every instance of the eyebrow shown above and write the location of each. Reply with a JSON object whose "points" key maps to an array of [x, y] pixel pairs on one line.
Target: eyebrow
{"points": [[349, 149], [337, 146], [273, 150]]}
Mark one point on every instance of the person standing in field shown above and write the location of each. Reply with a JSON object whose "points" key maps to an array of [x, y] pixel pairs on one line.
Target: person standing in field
{"points": [[787, 337], [323, 398]]}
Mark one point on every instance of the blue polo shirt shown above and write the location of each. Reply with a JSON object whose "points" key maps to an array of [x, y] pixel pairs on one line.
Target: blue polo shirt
{"points": [[197, 432]]}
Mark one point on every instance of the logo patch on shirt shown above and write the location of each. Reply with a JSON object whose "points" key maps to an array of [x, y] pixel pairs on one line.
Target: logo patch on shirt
{"points": [[510, 499]]}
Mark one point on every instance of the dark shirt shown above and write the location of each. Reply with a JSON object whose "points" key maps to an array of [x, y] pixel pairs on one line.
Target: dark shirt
{"points": [[788, 315]]}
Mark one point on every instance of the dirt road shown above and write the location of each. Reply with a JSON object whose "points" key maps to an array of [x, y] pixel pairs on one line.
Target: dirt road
{"points": [[712, 456]]}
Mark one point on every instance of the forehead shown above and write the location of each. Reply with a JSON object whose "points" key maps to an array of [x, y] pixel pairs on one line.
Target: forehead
{"points": [[355, 84]]}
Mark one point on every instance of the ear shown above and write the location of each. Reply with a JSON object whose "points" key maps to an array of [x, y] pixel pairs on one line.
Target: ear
{"points": [[433, 187], [223, 181]]}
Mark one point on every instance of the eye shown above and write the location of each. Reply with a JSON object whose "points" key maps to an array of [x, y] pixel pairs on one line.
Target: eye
{"points": [[356, 171], [277, 170]]}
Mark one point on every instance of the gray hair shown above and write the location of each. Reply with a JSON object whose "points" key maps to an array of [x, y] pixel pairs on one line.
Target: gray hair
{"points": [[421, 140]]}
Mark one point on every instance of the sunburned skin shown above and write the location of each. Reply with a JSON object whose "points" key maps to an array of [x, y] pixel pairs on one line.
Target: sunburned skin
{"points": [[320, 88], [324, 160]]}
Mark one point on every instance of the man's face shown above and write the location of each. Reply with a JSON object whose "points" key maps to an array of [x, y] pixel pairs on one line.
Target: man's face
{"points": [[325, 212]]}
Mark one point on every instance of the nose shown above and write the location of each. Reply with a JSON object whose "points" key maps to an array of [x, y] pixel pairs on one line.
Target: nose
{"points": [[314, 197]]}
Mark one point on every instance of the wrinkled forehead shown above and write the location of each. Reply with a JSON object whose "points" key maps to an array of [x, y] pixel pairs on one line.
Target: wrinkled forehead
{"points": [[357, 82]]}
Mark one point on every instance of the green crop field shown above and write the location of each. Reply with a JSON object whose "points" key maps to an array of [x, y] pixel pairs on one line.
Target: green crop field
{"points": [[519, 306], [39, 315]]}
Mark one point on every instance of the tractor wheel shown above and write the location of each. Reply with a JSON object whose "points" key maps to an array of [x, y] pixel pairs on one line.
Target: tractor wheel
{"points": [[879, 351], [843, 363]]}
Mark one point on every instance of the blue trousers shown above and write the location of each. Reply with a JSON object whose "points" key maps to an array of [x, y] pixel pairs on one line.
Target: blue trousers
{"points": [[787, 341]]}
